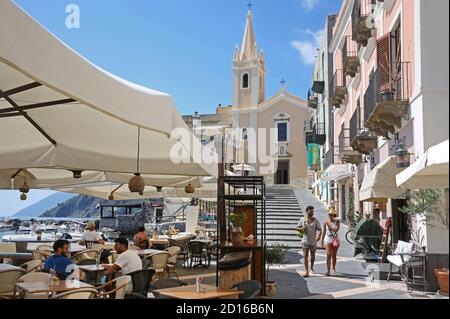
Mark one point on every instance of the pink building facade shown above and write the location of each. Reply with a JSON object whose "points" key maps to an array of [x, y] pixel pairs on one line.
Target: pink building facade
{"points": [[388, 91]]}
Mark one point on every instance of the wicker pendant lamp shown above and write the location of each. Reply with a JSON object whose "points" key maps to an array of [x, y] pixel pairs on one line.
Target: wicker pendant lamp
{"points": [[24, 188], [137, 183], [189, 189]]}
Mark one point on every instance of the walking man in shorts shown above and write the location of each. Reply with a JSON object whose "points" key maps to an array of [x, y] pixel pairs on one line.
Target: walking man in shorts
{"points": [[312, 231]]}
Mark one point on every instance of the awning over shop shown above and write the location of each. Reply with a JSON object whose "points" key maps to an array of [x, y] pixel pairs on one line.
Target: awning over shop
{"points": [[58, 110], [379, 185], [337, 172], [430, 171]]}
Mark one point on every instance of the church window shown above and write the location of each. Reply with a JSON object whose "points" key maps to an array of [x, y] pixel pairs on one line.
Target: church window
{"points": [[282, 131], [245, 82]]}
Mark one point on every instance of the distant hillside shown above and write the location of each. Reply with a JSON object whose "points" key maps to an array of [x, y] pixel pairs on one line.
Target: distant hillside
{"points": [[77, 207], [43, 205]]}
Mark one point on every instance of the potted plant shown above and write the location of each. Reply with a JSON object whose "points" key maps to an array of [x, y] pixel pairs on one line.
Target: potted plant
{"points": [[388, 95], [237, 234], [442, 277], [275, 255], [427, 205]]}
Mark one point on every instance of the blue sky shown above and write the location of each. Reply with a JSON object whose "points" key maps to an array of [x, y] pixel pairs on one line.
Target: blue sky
{"points": [[185, 48]]}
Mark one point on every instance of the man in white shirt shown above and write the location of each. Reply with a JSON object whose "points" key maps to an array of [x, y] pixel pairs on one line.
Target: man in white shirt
{"points": [[127, 262], [91, 236]]}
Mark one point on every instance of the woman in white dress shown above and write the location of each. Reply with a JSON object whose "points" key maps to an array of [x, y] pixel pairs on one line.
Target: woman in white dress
{"points": [[330, 239]]}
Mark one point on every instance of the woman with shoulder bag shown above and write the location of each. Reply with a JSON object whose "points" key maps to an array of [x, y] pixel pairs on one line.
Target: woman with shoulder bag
{"points": [[330, 240]]}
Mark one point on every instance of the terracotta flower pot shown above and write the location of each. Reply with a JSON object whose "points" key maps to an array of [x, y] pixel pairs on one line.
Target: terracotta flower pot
{"points": [[271, 288], [442, 276]]}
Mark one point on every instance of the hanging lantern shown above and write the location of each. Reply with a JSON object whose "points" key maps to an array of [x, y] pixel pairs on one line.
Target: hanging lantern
{"points": [[403, 157], [23, 196], [111, 197], [24, 188], [159, 189], [77, 174], [137, 184], [189, 189]]}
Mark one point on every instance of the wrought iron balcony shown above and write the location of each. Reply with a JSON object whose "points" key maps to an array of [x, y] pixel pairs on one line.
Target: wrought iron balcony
{"points": [[313, 101], [346, 153], [316, 134], [361, 139], [386, 100], [318, 87], [350, 57], [362, 21], [329, 158], [338, 88]]}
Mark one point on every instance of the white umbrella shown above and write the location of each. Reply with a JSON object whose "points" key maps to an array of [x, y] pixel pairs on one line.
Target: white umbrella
{"points": [[430, 171], [58, 110]]}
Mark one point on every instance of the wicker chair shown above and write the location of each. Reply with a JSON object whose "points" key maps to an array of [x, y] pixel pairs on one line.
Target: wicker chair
{"points": [[183, 244], [40, 255], [118, 292], [251, 289], [88, 293], [159, 263], [32, 266], [90, 254], [198, 252], [46, 248], [35, 277], [142, 280], [165, 284], [172, 262], [8, 280]]}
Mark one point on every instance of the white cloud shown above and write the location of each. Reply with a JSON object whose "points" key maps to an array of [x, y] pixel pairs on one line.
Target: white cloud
{"points": [[308, 48], [309, 5]]}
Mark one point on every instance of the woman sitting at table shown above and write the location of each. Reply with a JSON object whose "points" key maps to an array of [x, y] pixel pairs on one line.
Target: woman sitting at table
{"points": [[141, 240]]}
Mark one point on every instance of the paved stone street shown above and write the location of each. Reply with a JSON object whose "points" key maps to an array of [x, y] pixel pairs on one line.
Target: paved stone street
{"points": [[350, 282]]}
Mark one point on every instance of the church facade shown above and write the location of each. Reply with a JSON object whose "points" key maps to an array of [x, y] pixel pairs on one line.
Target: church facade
{"points": [[270, 131]]}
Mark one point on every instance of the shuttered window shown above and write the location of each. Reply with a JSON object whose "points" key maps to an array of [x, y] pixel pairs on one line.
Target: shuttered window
{"points": [[384, 63]]}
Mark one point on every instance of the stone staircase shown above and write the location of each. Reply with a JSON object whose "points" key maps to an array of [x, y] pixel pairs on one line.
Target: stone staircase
{"points": [[283, 213]]}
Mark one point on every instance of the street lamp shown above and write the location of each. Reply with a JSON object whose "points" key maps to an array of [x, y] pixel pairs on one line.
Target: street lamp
{"points": [[402, 156]]}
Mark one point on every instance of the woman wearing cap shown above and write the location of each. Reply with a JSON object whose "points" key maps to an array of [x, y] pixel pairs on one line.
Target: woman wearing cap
{"points": [[330, 239]]}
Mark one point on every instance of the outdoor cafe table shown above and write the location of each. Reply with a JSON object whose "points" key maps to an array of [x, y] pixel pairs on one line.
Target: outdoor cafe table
{"points": [[210, 292], [98, 269], [61, 286]]}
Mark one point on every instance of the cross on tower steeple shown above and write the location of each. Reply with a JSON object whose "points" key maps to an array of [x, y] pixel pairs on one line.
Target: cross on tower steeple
{"points": [[250, 5], [283, 82]]}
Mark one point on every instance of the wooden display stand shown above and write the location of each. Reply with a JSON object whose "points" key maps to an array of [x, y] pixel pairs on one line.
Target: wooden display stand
{"points": [[228, 278], [252, 204]]}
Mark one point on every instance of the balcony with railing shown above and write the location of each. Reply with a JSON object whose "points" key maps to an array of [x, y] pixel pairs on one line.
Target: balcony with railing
{"points": [[338, 89], [313, 100], [329, 158], [316, 134], [362, 21], [361, 140], [346, 153], [350, 57], [386, 100]]}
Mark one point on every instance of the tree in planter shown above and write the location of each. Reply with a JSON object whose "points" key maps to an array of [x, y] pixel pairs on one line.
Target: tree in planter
{"points": [[275, 255], [238, 221], [426, 205]]}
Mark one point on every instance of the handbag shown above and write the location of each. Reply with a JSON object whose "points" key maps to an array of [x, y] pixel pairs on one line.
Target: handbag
{"points": [[336, 242]]}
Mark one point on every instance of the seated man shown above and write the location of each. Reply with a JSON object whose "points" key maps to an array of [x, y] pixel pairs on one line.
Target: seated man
{"points": [[59, 260], [141, 240], [91, 236], [127, 262]]}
